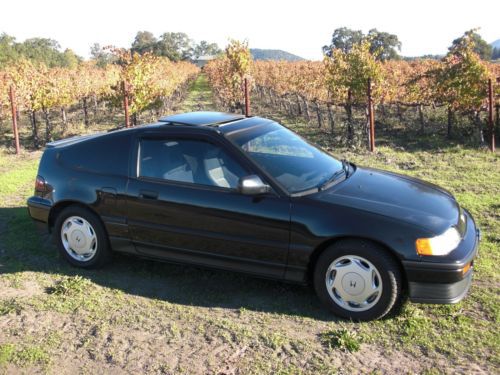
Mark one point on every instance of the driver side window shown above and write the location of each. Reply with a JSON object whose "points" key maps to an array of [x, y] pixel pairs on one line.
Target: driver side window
{"points": [[191, 161]]}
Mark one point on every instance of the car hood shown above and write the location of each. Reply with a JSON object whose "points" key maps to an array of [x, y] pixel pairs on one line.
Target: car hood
{"points": [[397, 196]]}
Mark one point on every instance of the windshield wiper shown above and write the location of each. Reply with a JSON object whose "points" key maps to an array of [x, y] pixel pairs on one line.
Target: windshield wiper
{"points": [[331, 180], [344, 171], [346, 167]]}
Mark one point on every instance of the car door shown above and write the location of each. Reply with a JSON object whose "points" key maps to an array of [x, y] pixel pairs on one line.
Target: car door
{"points": [[183, 205]]}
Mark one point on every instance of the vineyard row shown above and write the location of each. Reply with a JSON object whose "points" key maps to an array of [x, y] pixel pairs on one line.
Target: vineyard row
{"points": [[148, 82], [459, 84]]}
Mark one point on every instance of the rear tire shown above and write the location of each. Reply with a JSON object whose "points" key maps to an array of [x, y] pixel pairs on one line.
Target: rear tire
{"points": [[81, 238], [358, 280]]}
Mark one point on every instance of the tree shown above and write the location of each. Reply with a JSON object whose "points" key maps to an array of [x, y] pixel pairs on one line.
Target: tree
{"points": [[384, 45], [343, 39], [41, 50], [480, 46], [144, 42], [175, 46], [8, 51], [37, 50], [101, 56], [205, 48]]}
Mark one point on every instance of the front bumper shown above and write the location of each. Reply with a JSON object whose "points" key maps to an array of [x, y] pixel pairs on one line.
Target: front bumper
{"points": [[444, 281], [440, 292]]}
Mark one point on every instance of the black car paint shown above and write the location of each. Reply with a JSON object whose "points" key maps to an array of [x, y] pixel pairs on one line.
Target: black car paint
{"points": [[274, 235]]}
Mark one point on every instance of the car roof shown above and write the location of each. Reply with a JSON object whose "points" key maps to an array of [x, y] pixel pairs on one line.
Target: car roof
{"points": [[201, 121], [201, 118]]}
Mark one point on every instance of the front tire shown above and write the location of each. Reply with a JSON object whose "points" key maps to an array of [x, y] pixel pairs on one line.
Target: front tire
{"points": [[81, 238], [358, 280]]}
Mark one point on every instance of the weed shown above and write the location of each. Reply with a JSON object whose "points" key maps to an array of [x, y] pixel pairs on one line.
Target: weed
{"points": [[69, 286], [273, 340], [10, 306], [432, 371], [31, 355], [413, 322], [6, 353], [341, 339], [53, 339], [14, 279], [24, 356]]}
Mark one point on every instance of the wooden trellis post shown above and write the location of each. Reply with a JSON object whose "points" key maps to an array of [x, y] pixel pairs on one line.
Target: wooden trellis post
{"points": [[125, 103], [12, 97], [371, 117], [490, 115], [247, 98]]}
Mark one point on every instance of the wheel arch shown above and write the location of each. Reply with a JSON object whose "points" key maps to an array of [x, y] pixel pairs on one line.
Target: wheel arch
{"points": [[61, 205], [327, 243]]}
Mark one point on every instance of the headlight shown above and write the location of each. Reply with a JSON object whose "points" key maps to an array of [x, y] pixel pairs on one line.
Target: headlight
{"points": [[440, 245]]}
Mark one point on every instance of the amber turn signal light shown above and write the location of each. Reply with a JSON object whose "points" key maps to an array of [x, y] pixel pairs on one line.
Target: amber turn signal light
{"points": [[466, 268], [423, 246]]}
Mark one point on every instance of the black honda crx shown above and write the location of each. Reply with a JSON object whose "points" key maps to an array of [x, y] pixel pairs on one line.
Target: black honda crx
{"points": [[247, 194]]}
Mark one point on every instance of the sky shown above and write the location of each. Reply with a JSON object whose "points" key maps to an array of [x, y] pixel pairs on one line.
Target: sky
{"points": [[300, 27]]}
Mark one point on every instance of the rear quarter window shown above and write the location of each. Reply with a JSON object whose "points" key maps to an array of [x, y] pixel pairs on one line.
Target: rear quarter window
{"points": [[108, 154]]}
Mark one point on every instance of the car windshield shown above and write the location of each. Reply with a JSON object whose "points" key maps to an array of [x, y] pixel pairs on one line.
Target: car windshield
{"points": [[296, 164]]}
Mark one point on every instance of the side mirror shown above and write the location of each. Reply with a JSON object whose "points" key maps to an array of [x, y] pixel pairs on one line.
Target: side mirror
{"points": [[252, 185]]}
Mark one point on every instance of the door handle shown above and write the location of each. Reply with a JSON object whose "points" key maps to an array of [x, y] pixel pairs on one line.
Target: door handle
{"points": [[148, 194]]}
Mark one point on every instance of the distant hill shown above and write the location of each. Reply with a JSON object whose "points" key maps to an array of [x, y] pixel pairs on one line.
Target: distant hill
{"points": [[273, 54], [496, 44]]}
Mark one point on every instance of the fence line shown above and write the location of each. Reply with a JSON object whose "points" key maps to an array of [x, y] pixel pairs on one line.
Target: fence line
{"points": [[293, 102]]}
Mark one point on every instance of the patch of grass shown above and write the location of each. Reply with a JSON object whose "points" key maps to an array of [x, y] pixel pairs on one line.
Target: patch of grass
{"points": [[432, 371], [413, 321], [289, 369], [10, 306], [25, 356], [342, 339], [6, 353], [31, 355], [229, 330], [15, 279], [199, 97], [273, 340], [17, 172], [70, 294], [53, 339], [69, 286], [19, 252]]}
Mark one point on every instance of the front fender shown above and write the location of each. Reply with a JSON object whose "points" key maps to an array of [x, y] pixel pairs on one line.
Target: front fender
{"points": [[314, 224]]}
